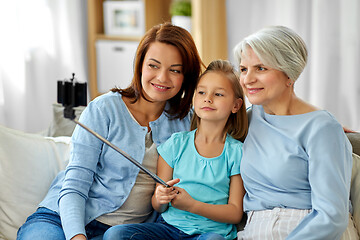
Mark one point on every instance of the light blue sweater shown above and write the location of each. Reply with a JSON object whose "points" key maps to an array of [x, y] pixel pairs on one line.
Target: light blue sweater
{"points": [[98, 180], [302, 162]]}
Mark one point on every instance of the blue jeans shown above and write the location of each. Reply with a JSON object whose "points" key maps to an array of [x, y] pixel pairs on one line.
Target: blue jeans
{"points": [[160, 230], [45, 224]]}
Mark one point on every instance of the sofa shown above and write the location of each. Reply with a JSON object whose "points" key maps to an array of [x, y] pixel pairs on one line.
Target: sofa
{"points": [[29, 162]]}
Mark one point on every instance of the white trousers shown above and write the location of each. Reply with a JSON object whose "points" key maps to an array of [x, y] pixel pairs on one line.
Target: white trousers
{"points": [[276, 224]]}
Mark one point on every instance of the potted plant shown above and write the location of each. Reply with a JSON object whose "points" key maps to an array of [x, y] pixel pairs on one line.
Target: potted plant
{"points": [[180, 11]]}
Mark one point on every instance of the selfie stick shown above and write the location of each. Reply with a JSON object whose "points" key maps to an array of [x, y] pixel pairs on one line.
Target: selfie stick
{"points": [[154, 176], [69, 113]]}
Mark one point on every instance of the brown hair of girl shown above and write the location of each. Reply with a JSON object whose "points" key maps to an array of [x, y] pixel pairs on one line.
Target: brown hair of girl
{"points": [[237, 123]]}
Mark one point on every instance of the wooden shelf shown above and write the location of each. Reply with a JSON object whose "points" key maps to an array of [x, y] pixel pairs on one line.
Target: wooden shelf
{"points": [[208, 30]]}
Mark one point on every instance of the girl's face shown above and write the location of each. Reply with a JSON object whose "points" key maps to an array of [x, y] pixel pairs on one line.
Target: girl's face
{"points": [[261, 84], [162, 72], [214, 98]]}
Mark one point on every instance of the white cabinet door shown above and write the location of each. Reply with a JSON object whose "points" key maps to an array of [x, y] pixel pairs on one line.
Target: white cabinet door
{"points": [[114, 63]]}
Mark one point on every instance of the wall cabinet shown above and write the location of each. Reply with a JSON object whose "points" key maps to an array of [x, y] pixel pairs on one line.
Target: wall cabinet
{"points": [[208, 30], [114, 63]]}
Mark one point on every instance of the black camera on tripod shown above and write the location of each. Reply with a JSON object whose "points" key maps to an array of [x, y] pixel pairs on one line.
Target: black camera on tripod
{"points": [[71, 94]]}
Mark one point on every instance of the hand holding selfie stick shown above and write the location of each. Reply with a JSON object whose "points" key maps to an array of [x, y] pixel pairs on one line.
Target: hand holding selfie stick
{"points": [[73, 95]]}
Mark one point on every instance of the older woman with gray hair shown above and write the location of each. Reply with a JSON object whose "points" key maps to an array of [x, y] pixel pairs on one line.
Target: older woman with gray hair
{"points": [[297, 160]]}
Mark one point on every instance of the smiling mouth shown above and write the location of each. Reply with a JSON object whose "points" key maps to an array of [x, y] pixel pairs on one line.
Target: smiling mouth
{"points": [[254, 90], [159, 86]]}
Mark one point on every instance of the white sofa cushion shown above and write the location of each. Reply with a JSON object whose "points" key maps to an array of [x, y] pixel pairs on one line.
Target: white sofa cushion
{"points": [[28, 164]]}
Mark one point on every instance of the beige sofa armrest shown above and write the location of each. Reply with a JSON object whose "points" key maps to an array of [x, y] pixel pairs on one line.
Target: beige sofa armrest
{"points": [[355, 141], [355, 190]]}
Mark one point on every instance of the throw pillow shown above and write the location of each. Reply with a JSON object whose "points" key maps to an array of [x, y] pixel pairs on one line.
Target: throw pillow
{"points": [[61, 126]]}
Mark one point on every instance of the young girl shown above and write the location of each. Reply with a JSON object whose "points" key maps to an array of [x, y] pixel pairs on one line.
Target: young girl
{"points": [[205, 165]]}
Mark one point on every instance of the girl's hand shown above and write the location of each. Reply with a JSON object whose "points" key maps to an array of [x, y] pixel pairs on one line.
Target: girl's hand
{"points": [[164, 195], [78, 237], [182, 200]]}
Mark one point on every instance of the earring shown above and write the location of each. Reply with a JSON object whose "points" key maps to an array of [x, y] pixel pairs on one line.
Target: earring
{"points": [[289, 84]]}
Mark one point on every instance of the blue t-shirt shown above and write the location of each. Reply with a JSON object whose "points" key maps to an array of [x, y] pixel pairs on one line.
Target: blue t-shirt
{"points": [[205, 179]]}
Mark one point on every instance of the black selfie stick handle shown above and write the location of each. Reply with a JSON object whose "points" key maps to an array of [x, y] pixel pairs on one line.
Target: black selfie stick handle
{"points": [[154, 176]]}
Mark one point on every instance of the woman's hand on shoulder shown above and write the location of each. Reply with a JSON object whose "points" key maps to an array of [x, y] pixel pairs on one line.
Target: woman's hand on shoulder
{"points": [[348, 130]]}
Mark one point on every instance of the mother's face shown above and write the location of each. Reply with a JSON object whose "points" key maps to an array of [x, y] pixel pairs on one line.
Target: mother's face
{"points": [[162, 75], [262, 85]]}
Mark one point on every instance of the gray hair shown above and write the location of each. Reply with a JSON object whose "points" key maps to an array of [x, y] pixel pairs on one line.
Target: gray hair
{"points": [[277, 47]]}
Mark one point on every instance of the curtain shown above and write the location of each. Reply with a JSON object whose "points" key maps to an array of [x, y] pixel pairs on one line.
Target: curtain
{"points": [[41, 41], [331, 30]]}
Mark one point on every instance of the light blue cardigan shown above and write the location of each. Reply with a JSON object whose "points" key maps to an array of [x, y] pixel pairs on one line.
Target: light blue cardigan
{"points": [[98, 180]]}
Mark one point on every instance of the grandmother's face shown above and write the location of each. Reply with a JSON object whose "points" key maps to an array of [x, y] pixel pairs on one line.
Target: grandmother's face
{"points": [[261, 84]]}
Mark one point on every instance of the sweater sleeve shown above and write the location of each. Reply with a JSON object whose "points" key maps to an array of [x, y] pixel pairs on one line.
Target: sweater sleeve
{"points": [[72, 214], [330, 164], [79, 174]]}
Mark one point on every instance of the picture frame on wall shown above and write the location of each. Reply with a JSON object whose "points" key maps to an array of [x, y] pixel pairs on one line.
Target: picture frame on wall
{"points": [[124, 18]]}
